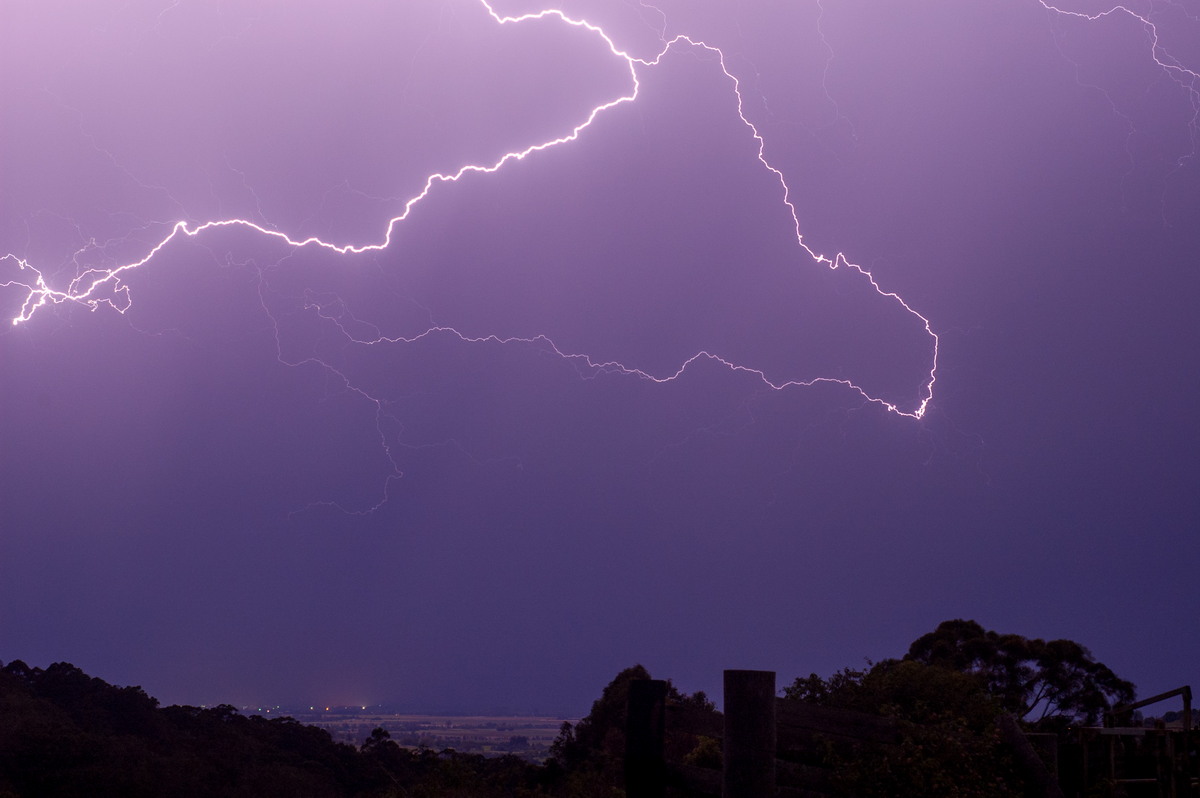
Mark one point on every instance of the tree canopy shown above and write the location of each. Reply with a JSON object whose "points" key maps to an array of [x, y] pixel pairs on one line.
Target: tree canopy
{"points": [[947, 694], [587, 758], [1048, 684]]}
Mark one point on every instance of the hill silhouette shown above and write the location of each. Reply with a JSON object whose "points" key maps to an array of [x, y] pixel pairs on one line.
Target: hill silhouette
{"points": [[64, 733]]}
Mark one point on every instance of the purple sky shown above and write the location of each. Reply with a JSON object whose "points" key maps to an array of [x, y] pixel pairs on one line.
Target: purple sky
{"points": [[264, 483]]}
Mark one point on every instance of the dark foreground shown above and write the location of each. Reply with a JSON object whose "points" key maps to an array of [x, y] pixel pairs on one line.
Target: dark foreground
{"points": [[63, 733], [955, 717]]}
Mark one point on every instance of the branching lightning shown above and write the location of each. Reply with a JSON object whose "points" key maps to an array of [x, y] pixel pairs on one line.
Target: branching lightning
{"points": [[94, 287], [1186, 78]]}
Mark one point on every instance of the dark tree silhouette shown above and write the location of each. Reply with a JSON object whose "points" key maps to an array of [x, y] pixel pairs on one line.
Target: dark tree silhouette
{"points": [[947, 695], [65, 734], [588, 758], [1049, 684]]}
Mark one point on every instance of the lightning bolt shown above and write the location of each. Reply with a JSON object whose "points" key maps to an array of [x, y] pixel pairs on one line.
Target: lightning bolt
{"points": [[1186, 78], [96, 287]]}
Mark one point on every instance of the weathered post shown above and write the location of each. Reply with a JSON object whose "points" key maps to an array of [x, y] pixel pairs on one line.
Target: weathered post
{"points": [[1042, 782], [1185, 761], [749, 766], [645, 729]]}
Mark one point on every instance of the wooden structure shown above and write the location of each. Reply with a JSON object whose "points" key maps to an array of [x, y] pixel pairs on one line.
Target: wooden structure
{"points": [[1134, 761], [749, 746], [778, 749], [645, 731], [770, 747]]}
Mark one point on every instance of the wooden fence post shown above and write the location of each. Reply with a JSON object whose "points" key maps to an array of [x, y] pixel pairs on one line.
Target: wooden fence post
{"points": [[645, 730], [1027, 760], [749, 766]]}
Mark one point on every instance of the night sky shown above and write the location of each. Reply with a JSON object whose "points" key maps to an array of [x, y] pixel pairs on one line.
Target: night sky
{"points": [[556, 426]]}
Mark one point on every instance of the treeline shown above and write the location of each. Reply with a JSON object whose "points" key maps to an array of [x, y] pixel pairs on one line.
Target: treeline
{"points": [[64, 733]]}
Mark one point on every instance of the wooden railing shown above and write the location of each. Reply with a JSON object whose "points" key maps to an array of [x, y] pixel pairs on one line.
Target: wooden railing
{"points": [[776, 748], [763, 745]]}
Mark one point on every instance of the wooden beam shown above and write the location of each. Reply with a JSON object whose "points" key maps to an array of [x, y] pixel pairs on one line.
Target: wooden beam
{"points": [[749, 757], [645, 732]]}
